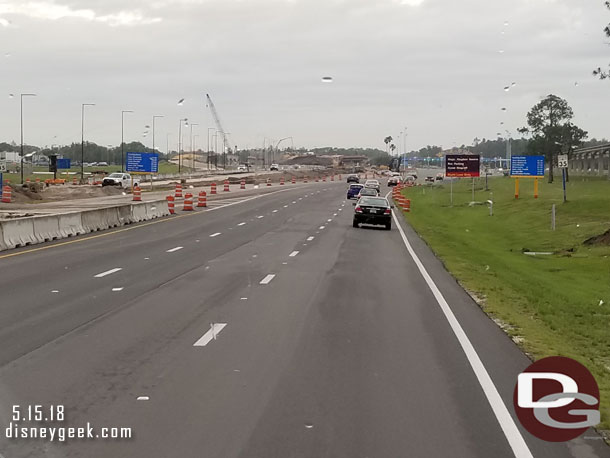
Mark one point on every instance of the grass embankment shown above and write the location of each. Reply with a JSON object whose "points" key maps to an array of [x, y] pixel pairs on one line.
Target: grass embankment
{"points": [[553, 305]]}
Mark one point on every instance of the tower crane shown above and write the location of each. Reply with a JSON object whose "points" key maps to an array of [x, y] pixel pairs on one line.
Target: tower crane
{"points": [[226, 144]]}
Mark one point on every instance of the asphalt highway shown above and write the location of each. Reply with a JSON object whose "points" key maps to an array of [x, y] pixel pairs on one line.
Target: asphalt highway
{"points": [[265, 326]]}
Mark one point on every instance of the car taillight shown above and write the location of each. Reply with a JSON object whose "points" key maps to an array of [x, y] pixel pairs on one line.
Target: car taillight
{"points": [[388, 211], [358, 209]]}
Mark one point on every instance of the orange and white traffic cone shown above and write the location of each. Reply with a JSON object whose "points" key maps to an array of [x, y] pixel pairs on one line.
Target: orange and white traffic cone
{"points": [[281, 181], [213, 188], [203, 200], [188, 202], [407, 205], [6, 194], [294, 180], [137, 194], [324, 178], [178, 192], [242, 185], [27, 180], [268, 181], [170, 204], [226, 188]]}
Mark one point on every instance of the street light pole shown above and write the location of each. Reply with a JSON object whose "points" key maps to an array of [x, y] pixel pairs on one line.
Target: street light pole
{"points": [[180, 143], [122, 138], [22, 95], [192, 155], [82, 140], [209, 128]]}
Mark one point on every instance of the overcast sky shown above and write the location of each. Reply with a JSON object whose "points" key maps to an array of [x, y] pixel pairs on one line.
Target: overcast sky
{"points": [[438, 67]]}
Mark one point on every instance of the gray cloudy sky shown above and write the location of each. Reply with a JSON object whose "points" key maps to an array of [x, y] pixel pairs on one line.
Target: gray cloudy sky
{"points": [[436, 66]]}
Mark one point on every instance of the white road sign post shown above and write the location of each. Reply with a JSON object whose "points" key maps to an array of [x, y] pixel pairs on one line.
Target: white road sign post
{"points": [[562, 163]]}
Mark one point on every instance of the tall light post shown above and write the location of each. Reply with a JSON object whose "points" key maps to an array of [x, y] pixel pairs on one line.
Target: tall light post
{"points": [[191, 135], [167, 145], [209, 128], [180, 142], [195, 147], [153, 130], [122, 138], [82, 140], [23, 95]]}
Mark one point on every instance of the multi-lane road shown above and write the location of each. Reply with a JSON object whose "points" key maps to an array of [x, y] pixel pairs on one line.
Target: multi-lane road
{"points": [[266, 326]]}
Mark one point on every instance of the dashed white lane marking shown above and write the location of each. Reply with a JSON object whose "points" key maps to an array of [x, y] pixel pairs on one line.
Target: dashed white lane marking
{"points": [[285, 206], [216, 234], [329, 220], [300, 198], [243, 298], [108, 272], [215, 329], [267, 279], [294, 201], [510, 430], [274, 211], [310, 238], [293, 254], [142, 398], [241, 224], [197, 240], [260, 216], [321, 227], [55, 291], [117, 289], [334, 214], [174, 249]]}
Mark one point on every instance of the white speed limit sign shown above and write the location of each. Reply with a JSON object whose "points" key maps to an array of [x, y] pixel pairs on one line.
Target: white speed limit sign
{"points": [[2, 166], [562, 161]]}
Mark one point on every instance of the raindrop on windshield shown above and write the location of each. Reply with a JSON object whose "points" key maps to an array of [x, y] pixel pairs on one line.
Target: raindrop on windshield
{"points": [[309, 425], [505, 23], [501, 51], [503, 109], [513, 84], [327, 79], [10, 96], [576, 83], [507, 88], [7, 54], [181, 102]]}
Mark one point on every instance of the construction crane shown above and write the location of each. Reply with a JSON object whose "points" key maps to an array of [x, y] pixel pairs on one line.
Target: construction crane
{"points": [[219, 127]]}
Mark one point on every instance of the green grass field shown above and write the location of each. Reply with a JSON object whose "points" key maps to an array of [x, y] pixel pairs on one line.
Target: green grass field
{"points": [[557, 304], [164, 167]]}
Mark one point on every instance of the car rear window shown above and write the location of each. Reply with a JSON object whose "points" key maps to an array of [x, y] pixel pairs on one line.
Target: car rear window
{"points": [[356, 186], [374, 201]]}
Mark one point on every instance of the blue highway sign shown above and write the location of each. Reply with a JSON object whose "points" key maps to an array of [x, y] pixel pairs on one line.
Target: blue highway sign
{"points": [[527, 166], [143, 162], [63, 163]]}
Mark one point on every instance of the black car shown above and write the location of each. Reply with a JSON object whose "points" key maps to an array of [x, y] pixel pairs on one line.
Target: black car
{"points": [[353, 179], [373, 210]]}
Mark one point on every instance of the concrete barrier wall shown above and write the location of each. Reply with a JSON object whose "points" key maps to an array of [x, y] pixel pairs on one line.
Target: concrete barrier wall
{"points": [[20, 232]]}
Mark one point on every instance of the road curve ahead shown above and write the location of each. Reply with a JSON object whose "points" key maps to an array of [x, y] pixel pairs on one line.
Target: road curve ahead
{"points": [[265, 327]]}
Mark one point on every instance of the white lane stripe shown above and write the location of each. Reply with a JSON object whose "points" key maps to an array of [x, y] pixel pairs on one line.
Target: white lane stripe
{"points": [[117, 289], [294, 201], [274, 211], [334, 214], [108, 272], [321, 227], [215, 329], [261, 216], [515, 440], [267, 279], [216, 234], [329, 220], [309, 239], [174, 249], [293, 254], [285, 206], [241, 224]]}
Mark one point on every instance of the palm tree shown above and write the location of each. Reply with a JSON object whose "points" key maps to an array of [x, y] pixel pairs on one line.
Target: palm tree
{"points": [[392, 147], [387, 141]]}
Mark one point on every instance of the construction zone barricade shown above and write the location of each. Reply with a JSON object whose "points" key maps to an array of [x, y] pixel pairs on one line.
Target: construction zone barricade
{"points": [[294, 180], [202, 200], [71, 225], [46, 228], [305, 179], [188, 202], [18, 232], [103, 218], [324, 178], [242, 184], [332, 177], [138, 213], [281, 181], [170, 205], [268, 181], [213, 188], [7, 194], [178, 191]]}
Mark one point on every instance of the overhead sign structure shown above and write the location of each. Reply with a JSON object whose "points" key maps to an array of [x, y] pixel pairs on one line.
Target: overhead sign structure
{"points": [[63, 163], [527, 166], [462, 165], [142, 162]]}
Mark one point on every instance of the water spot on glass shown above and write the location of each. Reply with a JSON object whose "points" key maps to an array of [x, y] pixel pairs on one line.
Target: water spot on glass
{"points": [[506, 88], [7, 54], [576, 83], [181, 102], [308, 425], [503, 109], [505, 23], [501, 51], [10, 96], [327, 79], [513, 84]]}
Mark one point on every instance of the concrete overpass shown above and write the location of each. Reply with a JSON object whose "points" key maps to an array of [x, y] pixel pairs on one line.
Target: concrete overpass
{"points": [[593, 160]]}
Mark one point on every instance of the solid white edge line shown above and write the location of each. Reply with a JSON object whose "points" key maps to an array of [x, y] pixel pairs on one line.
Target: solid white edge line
{"points": [[241, 224], [108, 272], [267, 279], [210, 335], [509, 428], [215, 234], [293, 254], [174, 249]]}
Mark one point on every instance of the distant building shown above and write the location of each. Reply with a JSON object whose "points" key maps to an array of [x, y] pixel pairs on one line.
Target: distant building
{"points": [[354, 161], [9, 156]]}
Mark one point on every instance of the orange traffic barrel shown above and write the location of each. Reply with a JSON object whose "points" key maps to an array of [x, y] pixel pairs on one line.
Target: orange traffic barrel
{"points": [[226, 188], [281, 180], [178, 192], [203, 200], [213, 188], [242, 185], [269, 182], [6, 194], [137, 194], [170, 204], [188, 202]]}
